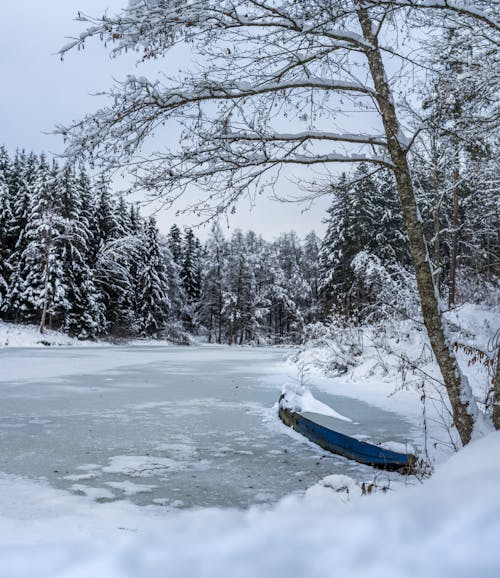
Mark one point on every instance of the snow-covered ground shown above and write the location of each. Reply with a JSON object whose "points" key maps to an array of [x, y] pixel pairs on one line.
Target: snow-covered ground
{"points": [[449, 526], [23, 335], [14, 335]]}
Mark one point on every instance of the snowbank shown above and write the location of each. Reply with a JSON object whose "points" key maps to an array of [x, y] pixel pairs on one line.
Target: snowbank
{"points": [[23, 335], [447, 526], [392, 366], [19, 335]]}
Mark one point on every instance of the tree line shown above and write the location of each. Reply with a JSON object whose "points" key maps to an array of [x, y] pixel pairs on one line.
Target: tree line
{"points": [[76, 257]]}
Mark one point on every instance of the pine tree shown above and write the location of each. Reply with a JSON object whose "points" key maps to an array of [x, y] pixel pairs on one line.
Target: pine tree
{"points": [[38, 292], [153, 283], [190, 270], [5, 237], [175, 244], [212, 304]]}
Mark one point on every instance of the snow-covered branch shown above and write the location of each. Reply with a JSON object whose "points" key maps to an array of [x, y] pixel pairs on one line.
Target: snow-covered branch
{"points": [[468, 9], [308, 136], [155, 27]]}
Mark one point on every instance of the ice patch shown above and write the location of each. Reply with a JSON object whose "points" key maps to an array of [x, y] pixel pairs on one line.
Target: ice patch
{"points": [[178, 451], [79, 477], [89, 467]]}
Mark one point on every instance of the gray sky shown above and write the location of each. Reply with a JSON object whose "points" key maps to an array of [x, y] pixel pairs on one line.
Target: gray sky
{"points": [[39, 91]]}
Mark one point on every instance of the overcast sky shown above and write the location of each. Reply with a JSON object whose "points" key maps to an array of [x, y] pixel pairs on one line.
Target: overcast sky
{"points": [[39, 91]]}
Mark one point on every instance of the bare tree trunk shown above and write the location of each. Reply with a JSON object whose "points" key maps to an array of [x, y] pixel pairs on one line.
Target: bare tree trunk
{"points": [[43, 318], [462, 409], [46, 288], [454, 233]]}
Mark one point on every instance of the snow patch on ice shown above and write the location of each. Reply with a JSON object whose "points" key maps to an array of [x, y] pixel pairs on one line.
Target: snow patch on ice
{"points": [[141, 466], [130, 489], [399, 447]]}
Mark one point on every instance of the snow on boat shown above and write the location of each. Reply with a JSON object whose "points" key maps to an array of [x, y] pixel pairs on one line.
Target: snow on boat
{"points": [[300, 411]]}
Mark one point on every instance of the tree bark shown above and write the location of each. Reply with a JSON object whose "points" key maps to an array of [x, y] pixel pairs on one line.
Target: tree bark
{"points": [[46, 289], [463, 411]]}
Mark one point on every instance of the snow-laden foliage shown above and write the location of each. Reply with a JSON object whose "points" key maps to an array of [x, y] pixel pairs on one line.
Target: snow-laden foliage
{"points": [[391, 287], [257, 292], [364, 261], [455, 159], [272, 86], [77, 258]]}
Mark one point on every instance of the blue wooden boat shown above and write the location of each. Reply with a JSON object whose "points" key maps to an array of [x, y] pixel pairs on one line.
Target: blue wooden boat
{"points": [[338, 443]]}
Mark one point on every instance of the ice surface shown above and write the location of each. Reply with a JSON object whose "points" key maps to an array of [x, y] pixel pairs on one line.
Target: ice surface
{"points": [[196, 425]]}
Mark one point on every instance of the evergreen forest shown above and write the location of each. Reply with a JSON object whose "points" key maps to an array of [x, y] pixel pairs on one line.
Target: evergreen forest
{"points": [[78, 258]]}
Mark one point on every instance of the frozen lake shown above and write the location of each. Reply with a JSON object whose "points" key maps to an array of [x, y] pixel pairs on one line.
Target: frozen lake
{"points": [[175, 426]]}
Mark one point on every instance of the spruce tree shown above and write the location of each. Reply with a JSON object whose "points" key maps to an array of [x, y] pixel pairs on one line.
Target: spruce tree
{"points": [[5, 241], [309, 267], [190, 270], [175, 244], [39, 293], [84, 317], [212, 304], [153, 283], [338, 249], [115, 253]]}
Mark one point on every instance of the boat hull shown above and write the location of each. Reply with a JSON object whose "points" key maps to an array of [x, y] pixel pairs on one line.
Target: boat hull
{"points": [[347, 446]]}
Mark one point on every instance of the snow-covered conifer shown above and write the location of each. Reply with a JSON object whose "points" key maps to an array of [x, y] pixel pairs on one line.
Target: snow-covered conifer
{"points": [[190, 268], [153, 283]]}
